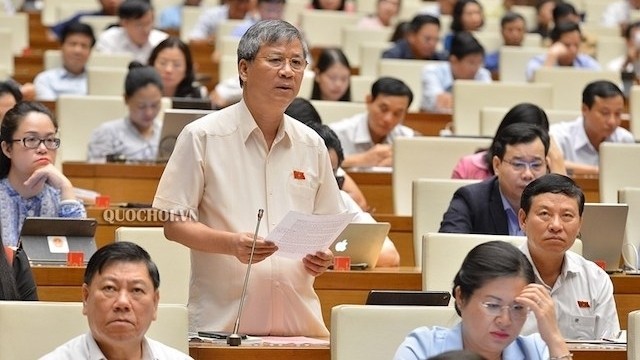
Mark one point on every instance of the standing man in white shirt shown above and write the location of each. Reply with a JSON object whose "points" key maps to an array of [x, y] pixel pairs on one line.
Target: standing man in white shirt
{"points": [[71, 78], [135, 35]]}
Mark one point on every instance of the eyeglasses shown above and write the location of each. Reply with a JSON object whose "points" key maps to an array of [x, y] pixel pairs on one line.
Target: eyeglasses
{"points": [[278, 62], [32, 142], [519, 165], [516, 311]]}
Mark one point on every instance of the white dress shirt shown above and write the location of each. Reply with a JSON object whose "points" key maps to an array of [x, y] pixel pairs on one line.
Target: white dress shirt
{"points": [[116, 41]]}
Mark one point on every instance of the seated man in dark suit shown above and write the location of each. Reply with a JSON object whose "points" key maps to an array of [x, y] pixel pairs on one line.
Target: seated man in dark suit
{"points": [[491, 207]]}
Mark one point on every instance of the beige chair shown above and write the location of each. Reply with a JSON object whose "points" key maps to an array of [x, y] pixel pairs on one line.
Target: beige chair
{"points": [[631, 197], [228, 67], [332, 111], [99, 23], [361, 87], [617, 169], [431, 198], [70, 9], [491, 117], [228, 46], [568, 84], [609, 48], [443, 254], [107, 81], [366, 7], [324, 28], [490, 41], [6, 55], [633, 335], [529, 14], [532, 40], [514, 60], [426, 157], [18, 24], [173, 260], [374, 332], [293, 9], [306, 87], [370, 55], [49, 12], [32, 329], [634, 110], [409, 9], [226, 28], [597, 29], [353, 36], [53, 59], [593, 9], [469, 97], [190, 15], [410, 72]]}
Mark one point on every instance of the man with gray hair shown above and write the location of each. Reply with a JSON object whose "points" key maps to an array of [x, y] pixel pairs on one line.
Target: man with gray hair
{"points": [[226, 166]]}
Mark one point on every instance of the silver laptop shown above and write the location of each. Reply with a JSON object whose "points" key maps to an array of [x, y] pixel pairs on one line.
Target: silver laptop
{"points": [[47, 241], [602, 233], [362, 242], [174, 121]]}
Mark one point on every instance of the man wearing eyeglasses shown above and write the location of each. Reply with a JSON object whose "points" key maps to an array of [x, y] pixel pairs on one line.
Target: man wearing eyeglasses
{"points": [[491, 206], [245, 157]]}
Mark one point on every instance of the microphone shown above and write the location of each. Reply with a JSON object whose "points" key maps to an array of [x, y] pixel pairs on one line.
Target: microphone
{"points": [[235, 339]]}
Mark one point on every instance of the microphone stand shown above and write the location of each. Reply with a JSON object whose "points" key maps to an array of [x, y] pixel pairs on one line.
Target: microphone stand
{"points": [[235, 339]]}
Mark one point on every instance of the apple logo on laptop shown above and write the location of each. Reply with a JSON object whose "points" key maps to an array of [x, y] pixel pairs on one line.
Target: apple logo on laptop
{"points": [[341, 245]]}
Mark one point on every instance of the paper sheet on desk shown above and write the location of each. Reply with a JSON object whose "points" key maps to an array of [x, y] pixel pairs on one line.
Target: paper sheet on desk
{"points": [[300, 234]]}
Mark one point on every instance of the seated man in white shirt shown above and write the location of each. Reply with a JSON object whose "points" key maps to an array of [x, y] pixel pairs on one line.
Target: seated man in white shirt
{"points": [[207, 25], [367, 138], [551, 215], [579, 140], [135, 35], [618, 13], [71, 78], [120, 300]]}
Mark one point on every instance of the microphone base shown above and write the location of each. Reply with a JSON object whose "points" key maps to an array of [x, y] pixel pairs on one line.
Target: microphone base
{"points": [[234, 340]]}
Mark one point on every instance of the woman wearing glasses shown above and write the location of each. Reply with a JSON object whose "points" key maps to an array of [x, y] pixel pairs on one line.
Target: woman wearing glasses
{"points": [[29, 183], [494, 292]]}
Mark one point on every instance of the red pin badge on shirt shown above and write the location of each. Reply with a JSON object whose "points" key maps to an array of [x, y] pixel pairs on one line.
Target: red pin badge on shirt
{"points": [[298, 175], [583, 304]]}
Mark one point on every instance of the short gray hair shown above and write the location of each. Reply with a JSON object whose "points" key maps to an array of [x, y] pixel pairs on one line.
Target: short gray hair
{"points": [[267, 32]]}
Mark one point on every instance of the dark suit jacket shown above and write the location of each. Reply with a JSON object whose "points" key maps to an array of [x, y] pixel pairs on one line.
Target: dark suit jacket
{"points": [[476, 209]]}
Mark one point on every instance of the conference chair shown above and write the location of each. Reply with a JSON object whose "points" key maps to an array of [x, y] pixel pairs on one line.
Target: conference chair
{"points": [[107, 81], [443, 254], [593, 9], [228, 67], [353, 36], [374, 332], [228, 46], [31, 329], [529, 14], [568, 84], [99, 23], [597, 29], [6, 55], [410, 8], [410, 72], [617, 169], [53, 59], [173, 260], [49, 14], [426, 157], [67, 10], [226, 28], [366, 7], [190, 15], [609, 48], [18, 24], [292, 10], [631, 197], [324, 28], [633, 335], [370, 55], [514, 60], [634, 110], [361, 87], [490, 40], [470, 96], [491, 117], [332, 111], [306, 87], [431, 198]]}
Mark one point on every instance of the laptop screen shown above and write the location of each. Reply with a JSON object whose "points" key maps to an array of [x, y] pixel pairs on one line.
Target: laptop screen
{"points": [[174, 121], [48, 240], [602, 233]]}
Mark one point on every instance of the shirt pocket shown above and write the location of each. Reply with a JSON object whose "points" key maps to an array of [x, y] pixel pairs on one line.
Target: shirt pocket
{"points": [[583, 327], [302, 194]]}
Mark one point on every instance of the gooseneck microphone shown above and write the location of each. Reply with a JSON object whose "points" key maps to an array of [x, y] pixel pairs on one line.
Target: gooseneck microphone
{"points": [[235, 339]]}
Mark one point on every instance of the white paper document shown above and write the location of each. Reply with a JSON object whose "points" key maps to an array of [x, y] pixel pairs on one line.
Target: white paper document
{"points": [[300, 234]]}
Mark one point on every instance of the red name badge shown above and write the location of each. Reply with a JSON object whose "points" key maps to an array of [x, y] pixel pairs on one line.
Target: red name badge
{"points": [[583, 304], [298, 175]]}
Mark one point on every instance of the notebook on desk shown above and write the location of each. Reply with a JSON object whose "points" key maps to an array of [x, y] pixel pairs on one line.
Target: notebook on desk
{"points": [[362, 242], [413, 298], [47, 241], [174, 121], [602, 233]]}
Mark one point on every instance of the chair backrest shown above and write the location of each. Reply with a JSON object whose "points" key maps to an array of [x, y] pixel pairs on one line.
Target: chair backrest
{"points": [[634, 110], [6, 55], [332, 111], [426, 157], [306, 87], [53, 59], [374, 332], [228, 46], [172, 259], [597, 29], [228, 67], [370, 55], [49, 14], [99, 23], [443, 254], [106, 80], [633, 335], [470, 96], [490, 118], [529, 14], [32, 329], [410, 72], [190, 15], [361, 87], [514, 60], [490, 41], [616, 171], [324, 28], [18, 24], [353, 36], [631, 197], [568, 83], [431, 199], [293, 9], [609, 48]]}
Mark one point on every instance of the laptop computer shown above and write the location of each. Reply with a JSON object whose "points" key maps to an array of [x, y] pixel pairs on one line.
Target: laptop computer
{"points": [[174, 121], [362, 242], [602, 233], [415, 298], [46, 240]]}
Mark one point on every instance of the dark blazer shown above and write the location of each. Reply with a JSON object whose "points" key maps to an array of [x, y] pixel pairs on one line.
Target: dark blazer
{"points": [[476, 209]]}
